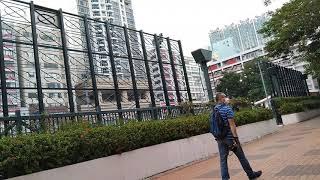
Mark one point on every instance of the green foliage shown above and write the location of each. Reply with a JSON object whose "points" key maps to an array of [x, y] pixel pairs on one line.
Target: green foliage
{"points": [[232, 85], [252, 80], [187, 107], [252, 116], [296, 25], [297, 104], [248, 84], [240, 103], [80, 142]]}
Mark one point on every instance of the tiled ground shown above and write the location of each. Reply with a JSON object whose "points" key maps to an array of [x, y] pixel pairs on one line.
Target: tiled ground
{"points": [[291, 154]]}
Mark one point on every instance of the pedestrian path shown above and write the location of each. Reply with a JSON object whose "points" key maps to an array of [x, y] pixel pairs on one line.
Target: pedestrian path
{"points": [[293, 153]]}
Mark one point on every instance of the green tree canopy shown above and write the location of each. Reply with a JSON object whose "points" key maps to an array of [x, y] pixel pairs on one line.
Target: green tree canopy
{"points": [[232, 85], [296, 25], [247, 84]]}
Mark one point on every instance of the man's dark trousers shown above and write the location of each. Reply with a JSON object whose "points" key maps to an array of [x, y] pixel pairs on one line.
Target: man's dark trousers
{"points": [[224, 153]]}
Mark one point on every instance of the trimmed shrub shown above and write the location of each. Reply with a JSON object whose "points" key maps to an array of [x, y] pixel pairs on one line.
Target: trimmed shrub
{"points": [[78, 143], [297, 104]]}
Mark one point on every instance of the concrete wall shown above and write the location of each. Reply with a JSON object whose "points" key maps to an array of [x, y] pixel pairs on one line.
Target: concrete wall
{"points": [[299, 117], [152, 160]]}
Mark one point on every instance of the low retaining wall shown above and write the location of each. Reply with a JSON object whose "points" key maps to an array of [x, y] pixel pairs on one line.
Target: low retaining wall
{"points": [[149, 161], [299, 117]]}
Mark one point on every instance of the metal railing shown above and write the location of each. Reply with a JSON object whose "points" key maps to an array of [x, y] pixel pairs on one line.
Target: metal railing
{"points": [[57, 67]]}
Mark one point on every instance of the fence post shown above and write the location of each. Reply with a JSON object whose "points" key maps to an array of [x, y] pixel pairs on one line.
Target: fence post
{"points": [[132, 72], [113, 69], [5, 108], [163, 78], [185, 71], [145, 58], [92, 70], [18, 122], [66, 62], [37, 65], [174, 73]]}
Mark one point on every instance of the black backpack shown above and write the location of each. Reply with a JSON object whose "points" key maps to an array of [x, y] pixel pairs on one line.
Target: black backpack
{"points": [[218, 128]]}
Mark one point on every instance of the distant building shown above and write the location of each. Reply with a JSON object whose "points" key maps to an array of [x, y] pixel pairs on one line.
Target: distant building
{"points": [[236, 44], [20, 72], [196, 81], [117, 12], [237, 39]]}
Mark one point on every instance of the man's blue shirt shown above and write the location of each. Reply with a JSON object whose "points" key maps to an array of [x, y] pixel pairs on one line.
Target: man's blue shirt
{"points": [[226, 113]]}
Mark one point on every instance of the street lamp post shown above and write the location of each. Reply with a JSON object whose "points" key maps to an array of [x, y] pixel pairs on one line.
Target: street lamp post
{"points": [[202, 56], [271, 103]]}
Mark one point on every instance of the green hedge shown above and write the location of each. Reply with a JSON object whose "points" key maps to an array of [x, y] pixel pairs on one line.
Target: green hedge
{"points": [[297, 104], [33, 153]]}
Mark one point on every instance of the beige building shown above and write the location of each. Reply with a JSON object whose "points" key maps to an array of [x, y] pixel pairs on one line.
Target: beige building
{"points": [[107, 96]]}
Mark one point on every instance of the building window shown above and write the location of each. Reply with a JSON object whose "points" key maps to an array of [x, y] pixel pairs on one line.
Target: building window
{"points": [[95, 6], [96, 13], [105, 70], [130, 95], [8, 53], [94, 0], [51, 65], [108, 96], [109, 14], [11, 84], [104, 63], [55, 95], [31, 74], [53, 85], [32, 95], [103, 56]]}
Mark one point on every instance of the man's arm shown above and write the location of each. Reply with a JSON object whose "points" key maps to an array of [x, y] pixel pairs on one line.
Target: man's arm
{"points": [[233, 127], [232, 124]]}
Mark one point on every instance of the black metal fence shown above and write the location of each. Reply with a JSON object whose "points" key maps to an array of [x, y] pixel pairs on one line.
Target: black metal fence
{"points": [[57, 67], [286, 82]]}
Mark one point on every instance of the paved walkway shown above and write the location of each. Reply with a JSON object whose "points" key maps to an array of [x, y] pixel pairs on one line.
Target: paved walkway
{"points": [[291, 154]]}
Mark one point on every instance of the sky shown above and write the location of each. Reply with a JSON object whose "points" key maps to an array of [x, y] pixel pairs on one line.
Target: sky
{"points": [[187, 20]]}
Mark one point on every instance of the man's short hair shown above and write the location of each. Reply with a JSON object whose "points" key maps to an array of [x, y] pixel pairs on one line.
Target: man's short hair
{"points": [[218, 95]]}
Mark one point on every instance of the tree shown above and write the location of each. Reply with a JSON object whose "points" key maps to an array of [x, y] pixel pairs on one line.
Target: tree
{"points": [[252, 80], [296, 25], [248, 84], [232, 85]]}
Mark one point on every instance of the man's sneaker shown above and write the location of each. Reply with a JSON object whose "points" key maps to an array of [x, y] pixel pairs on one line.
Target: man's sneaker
{"points": [[255, 175]]}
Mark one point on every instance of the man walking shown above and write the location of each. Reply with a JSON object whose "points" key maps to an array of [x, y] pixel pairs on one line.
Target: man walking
{"points": [[231, 141]]}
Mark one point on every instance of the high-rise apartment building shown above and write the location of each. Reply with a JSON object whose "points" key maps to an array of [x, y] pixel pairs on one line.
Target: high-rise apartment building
{"points": [[117, 12], [21, 74], [196, 81], [236, 44], [238, 38]]}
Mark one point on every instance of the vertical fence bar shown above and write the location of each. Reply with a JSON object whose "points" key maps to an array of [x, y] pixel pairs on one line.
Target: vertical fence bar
{"points": [[185, 71], [301, 89], [291, 82], [296, 82], [174, 73], [145, 58], [163, 78], [3, 76], [36, 58], [66, 62], [306, 88], [113, 69], [132, 72], [92, 71], [282, 83]]}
